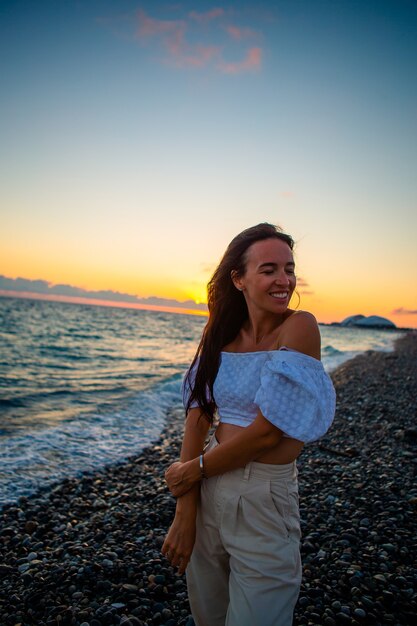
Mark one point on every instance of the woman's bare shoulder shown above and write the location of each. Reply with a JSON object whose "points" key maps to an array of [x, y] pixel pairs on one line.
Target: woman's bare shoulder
{"points": [[300, 332], [301, 318]]}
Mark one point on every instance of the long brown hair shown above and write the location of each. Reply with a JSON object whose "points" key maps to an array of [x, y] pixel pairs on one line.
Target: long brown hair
{"points": [[227, 312]]}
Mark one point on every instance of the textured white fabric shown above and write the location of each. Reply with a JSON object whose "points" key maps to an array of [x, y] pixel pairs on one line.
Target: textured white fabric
{"points": [[296, 395], [292, 391]]}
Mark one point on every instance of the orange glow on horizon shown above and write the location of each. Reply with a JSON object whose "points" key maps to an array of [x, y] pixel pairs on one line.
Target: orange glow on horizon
{"points": [[401, 320], [93, 302]]}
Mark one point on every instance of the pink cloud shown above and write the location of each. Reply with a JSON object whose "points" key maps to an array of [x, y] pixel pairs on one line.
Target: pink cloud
{"points": [[149, 26], [240, 33], [252, 61], [172, 35], [172, 32], [403, 311], [196, 56], [172, 38], [208, 16], [287, 194]]}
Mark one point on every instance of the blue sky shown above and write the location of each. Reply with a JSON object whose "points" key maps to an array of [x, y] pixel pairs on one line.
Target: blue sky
{"points": [[139, 137]]}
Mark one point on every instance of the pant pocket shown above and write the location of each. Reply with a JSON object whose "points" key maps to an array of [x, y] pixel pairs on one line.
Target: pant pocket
{"points": [[284, 498]]}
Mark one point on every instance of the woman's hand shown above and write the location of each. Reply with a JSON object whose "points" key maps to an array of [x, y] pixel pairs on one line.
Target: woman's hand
{"points": [[181, 477], [179, 542]]}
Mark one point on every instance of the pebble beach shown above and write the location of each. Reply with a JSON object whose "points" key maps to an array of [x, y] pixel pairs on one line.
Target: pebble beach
{"points": [[86, 552]]}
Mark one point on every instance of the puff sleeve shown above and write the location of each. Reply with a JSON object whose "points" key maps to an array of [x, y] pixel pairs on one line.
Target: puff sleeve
{"points": [[296, 395]]}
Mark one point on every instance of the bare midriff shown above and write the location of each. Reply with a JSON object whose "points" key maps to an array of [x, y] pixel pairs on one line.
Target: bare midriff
{"points": [[286, 451]]}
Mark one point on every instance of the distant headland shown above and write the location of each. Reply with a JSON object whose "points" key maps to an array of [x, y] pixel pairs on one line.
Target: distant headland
{"points": [[361, 321]]}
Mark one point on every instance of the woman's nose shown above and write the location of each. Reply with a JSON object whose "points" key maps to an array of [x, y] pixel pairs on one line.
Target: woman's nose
{"points": [[282, 278]]}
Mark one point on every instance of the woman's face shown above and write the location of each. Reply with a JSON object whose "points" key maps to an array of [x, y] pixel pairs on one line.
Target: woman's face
{"points": [[269, 279]]}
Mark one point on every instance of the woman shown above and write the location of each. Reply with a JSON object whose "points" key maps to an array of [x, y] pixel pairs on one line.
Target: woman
{"points": [[236, 528]]}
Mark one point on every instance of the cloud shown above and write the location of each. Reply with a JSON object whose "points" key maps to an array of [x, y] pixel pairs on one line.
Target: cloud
{"points": [[149, 26], [46, 288], [287, 194], [171, 32], [252, 61], [171, 36], [239, 33], [198, 40], [207, 16], [199, 56], [22, 284], [402, 311], [208, 268]]}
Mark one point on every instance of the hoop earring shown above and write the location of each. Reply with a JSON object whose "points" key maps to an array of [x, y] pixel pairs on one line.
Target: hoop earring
{"points": [[299, 298]]}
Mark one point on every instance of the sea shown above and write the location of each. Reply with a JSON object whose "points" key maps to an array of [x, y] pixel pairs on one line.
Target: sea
{"points": [[85, 386]]}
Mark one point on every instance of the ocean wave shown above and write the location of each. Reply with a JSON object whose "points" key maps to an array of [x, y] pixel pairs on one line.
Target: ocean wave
{"points": [[11, 402], [43, 456]]}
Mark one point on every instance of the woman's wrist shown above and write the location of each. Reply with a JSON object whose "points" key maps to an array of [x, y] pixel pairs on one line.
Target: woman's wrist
{"points": [[193, 471], [187, 504]]}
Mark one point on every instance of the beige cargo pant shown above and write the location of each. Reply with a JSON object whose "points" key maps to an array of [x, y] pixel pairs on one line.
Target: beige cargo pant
{"points": [[245, 568]]}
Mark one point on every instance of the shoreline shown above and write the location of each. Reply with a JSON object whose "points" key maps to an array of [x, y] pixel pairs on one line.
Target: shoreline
{"points": [[86, 550], [85, 417]]}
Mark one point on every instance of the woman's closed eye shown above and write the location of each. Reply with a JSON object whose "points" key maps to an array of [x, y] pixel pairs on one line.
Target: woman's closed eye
{"points": [[290, 271]]}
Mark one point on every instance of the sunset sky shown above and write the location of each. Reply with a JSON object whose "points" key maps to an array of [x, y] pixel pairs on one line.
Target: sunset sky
{"points": [[137, 138]]}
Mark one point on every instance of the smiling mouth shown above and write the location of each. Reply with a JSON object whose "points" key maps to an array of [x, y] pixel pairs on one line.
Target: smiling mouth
{"points": [[279, 295]]}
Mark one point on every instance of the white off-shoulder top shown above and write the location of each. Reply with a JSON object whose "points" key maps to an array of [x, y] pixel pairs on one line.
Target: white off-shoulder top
{"points": [[292, 391]]}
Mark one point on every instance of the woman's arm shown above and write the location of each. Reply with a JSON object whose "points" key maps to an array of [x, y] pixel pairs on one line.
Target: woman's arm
{"points": [[300, 332], [179, 542], [246, 446]]}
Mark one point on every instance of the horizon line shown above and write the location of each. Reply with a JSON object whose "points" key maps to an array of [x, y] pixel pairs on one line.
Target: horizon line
{"points": [[118, 304], [27, 295]]}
